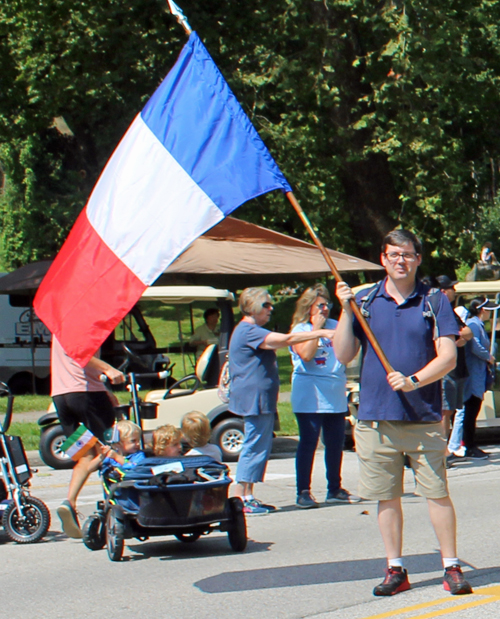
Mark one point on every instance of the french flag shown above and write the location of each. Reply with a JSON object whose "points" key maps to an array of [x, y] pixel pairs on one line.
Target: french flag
{"points": [[190, 158]]}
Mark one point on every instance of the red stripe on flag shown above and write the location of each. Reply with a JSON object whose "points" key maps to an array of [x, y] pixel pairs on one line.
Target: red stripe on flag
{"points": [[86, 292]]}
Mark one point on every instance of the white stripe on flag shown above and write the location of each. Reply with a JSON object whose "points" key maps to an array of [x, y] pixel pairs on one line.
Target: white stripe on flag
{"points": [[85, 438], [154, 209]]}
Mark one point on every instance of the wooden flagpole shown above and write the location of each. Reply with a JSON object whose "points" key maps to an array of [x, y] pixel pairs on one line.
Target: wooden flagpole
{"points": [[357, 312]]}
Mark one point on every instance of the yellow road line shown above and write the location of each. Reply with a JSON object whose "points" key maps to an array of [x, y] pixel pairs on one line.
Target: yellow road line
{"points": [[492, 595]]}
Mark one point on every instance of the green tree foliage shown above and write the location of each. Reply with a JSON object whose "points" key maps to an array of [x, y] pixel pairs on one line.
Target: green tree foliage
{"points": [[379, 113]]}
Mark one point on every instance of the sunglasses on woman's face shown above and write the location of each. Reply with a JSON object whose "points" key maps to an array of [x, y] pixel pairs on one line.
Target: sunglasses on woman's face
{"points": [[267, 305], [324, 306]]}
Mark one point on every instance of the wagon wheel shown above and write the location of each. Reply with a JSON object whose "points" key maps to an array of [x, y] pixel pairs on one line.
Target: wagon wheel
{"points": [[115, 536], [237, 529]]}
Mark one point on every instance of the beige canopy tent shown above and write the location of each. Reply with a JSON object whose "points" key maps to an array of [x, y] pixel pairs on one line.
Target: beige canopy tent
{"points": [[233, 254]]}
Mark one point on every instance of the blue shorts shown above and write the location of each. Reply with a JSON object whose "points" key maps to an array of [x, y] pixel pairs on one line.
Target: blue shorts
{"points": [[256, 448]]}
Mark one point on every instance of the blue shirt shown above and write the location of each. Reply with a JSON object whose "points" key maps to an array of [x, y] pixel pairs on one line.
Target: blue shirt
{"points": [[477, 354], [132, 460], [406, 337], [254, 372], [318, 386]]}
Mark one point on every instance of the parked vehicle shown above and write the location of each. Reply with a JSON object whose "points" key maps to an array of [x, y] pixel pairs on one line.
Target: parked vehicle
{"points": [[24, 346], [25, 518], [195, 391], [488, 420]]}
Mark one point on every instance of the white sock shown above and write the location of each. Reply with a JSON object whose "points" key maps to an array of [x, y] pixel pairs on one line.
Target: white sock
{"points": [[450, 562], [396, 562], [248, 497]]}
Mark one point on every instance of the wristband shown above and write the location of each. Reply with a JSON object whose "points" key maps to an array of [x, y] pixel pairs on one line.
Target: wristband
{"points": [[414, 381]]}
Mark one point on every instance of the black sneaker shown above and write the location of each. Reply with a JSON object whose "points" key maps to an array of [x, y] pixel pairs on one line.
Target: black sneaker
{"points": [[396, 581], [476, 454], [454, 581], [305, 500], [453, 459]]}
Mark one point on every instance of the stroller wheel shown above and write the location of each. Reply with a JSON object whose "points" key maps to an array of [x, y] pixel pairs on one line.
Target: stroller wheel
{"points": [[29, 527], [115, 536], [94, 532], [187, 538], [237, 529]]}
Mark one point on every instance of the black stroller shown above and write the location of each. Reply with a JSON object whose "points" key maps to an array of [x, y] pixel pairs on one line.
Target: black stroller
{"points": [[185, 497], [25, 518]]}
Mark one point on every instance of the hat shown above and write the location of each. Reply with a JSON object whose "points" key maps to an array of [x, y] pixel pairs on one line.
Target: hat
{"points": [[480, 303], [445, 282], [462, 312]]}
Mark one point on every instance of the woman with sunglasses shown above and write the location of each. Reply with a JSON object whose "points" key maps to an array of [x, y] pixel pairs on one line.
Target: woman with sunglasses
{"points": [[318, 398], [254, 388]]}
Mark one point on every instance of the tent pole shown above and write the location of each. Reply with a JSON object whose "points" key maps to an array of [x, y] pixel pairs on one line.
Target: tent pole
{"points": [[357, 312], [32, 346]]}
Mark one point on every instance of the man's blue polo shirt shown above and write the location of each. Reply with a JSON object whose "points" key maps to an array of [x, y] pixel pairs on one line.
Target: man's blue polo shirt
{"points": [[406, 337]]}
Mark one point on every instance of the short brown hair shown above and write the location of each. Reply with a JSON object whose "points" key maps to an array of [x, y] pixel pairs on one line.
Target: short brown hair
{"points": [[402, 237], [164, 436], [196, 428]]}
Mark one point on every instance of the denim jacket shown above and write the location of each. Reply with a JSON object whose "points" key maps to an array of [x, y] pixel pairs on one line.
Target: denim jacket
{"points": [[477, 354]]}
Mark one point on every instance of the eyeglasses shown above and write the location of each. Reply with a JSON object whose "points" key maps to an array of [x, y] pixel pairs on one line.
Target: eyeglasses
{"points": [[323, 306], [267, 305], [394, 256]]}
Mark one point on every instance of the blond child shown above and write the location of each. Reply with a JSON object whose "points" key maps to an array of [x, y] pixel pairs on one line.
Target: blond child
{"points": [[127, 452], [197, 431], [167, 442]]}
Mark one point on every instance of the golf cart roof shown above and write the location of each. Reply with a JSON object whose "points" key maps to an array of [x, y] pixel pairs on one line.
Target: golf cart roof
{"points": [[479, 288], [186, 294]]}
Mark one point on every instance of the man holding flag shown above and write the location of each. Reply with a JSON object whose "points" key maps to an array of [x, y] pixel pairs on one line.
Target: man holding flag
{"points": [[400, 413], [80, 397]]}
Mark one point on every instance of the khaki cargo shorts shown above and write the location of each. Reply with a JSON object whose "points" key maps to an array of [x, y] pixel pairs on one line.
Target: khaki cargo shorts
{"points": [[381, 447]]}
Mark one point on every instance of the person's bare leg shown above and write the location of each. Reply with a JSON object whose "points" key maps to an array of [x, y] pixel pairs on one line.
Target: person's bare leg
{"points": [[79, 476], [390, 522], [243, 488], [442, 514]]}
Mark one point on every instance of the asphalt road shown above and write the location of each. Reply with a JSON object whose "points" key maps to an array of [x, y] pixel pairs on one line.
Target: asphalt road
{"points": [[320, 563]]}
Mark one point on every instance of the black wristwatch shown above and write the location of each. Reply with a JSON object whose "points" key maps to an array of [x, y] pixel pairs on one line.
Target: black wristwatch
{"points": [[414, 381]]}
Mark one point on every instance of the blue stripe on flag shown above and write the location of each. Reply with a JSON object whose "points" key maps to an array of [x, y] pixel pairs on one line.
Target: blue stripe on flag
{"points": [[197, 118]]}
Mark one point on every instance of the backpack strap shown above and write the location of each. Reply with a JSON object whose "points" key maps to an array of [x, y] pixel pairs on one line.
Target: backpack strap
{"points": [[432, 300], [431, 303], [367, 299]]}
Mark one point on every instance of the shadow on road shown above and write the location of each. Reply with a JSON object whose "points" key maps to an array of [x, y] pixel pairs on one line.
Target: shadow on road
{"points": [[324, 573]]}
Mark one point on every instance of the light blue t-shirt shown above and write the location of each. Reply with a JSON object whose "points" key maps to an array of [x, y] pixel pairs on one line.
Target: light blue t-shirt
{"points": [[254, 372], [319, 385]]}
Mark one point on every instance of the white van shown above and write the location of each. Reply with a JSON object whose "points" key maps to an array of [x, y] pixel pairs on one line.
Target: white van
{"points": [[24, 346]]}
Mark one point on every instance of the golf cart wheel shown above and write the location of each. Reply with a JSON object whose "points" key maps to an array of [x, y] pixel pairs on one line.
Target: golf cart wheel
{"points": [[187, 538], [237, 531], [229, 436], [94, 533], [50, 448], [29, 527], [115, 536]]}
